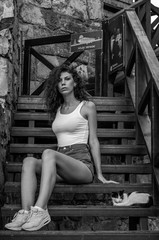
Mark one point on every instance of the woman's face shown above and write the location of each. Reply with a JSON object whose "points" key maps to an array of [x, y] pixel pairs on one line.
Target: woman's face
{"points": [[66, 83]]}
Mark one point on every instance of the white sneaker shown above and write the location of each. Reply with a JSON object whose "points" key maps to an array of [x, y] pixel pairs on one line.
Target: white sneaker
{"points": [[18, 220], [37, 219]]}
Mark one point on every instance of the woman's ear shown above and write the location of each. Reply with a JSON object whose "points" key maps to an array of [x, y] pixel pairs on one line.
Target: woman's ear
{"points": [[75, 84]]}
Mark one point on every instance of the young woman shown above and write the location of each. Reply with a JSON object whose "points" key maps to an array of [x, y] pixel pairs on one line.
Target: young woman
{"points": [[75, 125]]}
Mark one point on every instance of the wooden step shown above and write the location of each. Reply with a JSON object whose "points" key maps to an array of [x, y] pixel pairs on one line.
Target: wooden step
{"points": [[80, 235], [106, 117], [85, 210], [47, 132], [118, 101], [136, 169], [88, 188], [102, 103], [102, 108], [105, 149]]}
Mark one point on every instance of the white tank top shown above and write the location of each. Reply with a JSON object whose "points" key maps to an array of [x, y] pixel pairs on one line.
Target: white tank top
{"points": [[70, 128]]}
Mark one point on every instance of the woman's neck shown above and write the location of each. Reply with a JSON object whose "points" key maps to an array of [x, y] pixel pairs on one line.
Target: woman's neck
{"points": [[69, 105], [70, 101]]}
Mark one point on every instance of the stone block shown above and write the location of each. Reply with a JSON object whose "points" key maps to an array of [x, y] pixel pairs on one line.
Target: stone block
{"points": [[32, 14], [5, 37], [95, 9], [41, 4], [6, 9], [3, 76]]}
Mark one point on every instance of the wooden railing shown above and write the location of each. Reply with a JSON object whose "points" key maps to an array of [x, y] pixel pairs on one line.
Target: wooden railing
{"points": [[138, 74], [145, 11], [143, 84]]}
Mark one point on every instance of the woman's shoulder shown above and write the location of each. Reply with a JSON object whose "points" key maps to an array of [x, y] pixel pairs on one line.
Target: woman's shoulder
{"points": [[89, 105]]}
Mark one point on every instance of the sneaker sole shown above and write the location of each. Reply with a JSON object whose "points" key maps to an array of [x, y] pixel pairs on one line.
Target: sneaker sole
{"points": [[14, 229], [42, 224]]}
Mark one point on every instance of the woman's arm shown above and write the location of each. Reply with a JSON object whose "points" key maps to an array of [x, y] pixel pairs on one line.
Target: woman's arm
{"points": [[93, 141]]}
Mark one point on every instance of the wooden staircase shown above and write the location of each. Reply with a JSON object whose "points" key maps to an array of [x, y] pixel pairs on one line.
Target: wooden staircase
{"points": [[83, 211]]}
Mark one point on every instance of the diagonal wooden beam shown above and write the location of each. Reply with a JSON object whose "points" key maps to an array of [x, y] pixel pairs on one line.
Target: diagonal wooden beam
{"points": [[154, 9], [155, 37], [154, 23], [145, 100], [142, 12], [39, 90], [69, 60], [73, 57], [41, 59], [131, 62]]}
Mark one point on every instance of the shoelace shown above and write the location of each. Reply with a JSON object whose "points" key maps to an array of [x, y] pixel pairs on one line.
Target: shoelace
{"points": [[33, 212], [16, 215]]}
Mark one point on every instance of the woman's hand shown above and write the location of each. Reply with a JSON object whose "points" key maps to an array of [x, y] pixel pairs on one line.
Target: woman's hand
{"points": [[103, 180]]}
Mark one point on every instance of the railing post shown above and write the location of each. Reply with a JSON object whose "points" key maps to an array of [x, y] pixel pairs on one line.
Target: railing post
{"points": [[144, 14], [148, 19], [98, 72], [27, 69], [105, 75], [141, 85], [155, 143]]}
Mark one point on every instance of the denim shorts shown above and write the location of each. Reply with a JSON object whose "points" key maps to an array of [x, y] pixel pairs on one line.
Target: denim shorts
{"points": [[79, 152]]}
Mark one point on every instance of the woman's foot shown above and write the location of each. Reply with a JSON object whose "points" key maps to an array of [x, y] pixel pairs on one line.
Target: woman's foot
{"points": [[38, 218], [19, 219]]}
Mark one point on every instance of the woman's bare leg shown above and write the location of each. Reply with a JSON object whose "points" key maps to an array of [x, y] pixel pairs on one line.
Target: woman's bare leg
{"points": [[31, 166], [69, 169]]}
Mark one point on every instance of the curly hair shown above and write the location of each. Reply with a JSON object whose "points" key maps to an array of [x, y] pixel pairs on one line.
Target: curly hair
{"points": [[52, 96]]}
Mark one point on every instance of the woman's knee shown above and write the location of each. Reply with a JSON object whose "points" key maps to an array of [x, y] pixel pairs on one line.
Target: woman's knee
{"points": [[49, 155], [29, 163]]}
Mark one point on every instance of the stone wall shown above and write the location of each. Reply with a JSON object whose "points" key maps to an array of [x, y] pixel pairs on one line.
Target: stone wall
{"points": [[6, 74], [47, 18]]}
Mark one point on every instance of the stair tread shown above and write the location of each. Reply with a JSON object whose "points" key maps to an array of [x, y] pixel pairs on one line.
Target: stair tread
{"points": [[102, 103], [98, 100], [41, 131], [109, 149], [106, 168], [84, 235], [100, 116], [88, 210], [88, 188], [111, 107]]}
